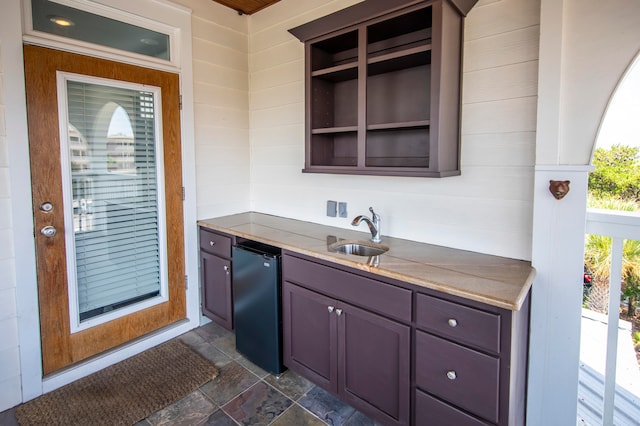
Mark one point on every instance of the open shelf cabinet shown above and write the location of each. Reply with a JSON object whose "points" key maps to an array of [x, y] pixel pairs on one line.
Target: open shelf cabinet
{"points": [[382, 88]]}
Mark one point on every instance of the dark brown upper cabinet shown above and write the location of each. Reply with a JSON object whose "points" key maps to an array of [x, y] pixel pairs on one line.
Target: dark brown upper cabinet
{"points": [[382, 88]]}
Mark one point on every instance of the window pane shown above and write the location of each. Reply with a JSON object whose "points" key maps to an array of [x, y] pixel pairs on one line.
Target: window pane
{"points": [[65, 21], [115, 196]]}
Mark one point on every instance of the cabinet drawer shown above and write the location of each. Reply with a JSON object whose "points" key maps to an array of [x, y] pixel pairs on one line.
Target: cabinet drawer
{"points": [[461, 323], [215, 243], [432, 411], [459, 375], [372, 294]]}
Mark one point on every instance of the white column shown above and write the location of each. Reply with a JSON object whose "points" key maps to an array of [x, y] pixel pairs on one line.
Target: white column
{"points": [[558, 256], [557, 245]]}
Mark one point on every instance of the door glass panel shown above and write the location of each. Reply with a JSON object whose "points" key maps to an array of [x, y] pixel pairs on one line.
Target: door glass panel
{"points": [[55, 18], [113, 198]]}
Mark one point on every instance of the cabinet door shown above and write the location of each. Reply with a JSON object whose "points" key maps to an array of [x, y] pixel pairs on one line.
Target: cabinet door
{"points": [[374, 364], [216, 289], [309, 335]]}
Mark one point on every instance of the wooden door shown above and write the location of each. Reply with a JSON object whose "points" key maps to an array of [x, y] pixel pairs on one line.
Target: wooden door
{"points": [[60, 346]]}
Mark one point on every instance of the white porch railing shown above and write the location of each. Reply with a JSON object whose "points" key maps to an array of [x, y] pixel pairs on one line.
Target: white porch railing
{"points": [[619, 226]]}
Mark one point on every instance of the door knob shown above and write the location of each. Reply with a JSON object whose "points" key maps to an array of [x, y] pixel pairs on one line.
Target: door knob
{"points": [[48, 231]]}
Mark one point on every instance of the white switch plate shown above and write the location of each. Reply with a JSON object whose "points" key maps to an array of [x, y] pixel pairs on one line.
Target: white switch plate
{"points": [[331, 208], [342, 209]]}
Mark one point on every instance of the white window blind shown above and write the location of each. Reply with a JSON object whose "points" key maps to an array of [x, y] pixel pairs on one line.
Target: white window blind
{"points": [[114, 161]]}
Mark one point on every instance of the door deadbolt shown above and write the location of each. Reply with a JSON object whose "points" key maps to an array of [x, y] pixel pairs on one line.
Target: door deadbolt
{"points": [[46, 207], [48, 231]]}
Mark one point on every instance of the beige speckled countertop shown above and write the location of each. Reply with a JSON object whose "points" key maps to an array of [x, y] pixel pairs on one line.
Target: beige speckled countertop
{"points": [[494, 280]]}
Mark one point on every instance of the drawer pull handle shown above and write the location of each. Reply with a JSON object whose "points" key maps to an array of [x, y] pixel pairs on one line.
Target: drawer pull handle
{"points": [[212, 243], [451, 375], [452, 322], [338, 312], [330, 309]]}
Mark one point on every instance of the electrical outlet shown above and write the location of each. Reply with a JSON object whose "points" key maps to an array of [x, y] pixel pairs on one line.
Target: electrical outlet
{"points": [[331, 208], [342, 209]]}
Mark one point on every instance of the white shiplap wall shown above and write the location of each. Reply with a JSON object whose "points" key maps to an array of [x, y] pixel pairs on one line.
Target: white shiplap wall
{"points": [[487, 209], [221, 96], [10, 394]]}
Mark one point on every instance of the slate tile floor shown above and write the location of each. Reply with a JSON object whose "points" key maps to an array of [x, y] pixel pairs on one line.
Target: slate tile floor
{"points": [[244, 394]]}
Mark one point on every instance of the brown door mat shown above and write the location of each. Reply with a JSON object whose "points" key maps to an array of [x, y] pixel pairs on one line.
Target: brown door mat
{"points": [[123, 393]]}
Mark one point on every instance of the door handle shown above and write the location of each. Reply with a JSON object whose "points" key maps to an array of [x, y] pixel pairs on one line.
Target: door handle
{"points": [[48, 231]]}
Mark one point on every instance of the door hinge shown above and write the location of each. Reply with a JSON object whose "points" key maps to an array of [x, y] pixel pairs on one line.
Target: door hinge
{"points": [[184, 192], [180, 102], [186, 282]]}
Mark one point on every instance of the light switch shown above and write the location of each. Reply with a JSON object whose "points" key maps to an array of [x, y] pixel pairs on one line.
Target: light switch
{"points": [[331, 208], [342, 209]]}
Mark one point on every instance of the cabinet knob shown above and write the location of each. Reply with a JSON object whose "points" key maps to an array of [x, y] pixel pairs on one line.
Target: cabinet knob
{"points": [[452, 322], [338, 312], [451, 375], [226, 269], [330, 309], [212, 243]]}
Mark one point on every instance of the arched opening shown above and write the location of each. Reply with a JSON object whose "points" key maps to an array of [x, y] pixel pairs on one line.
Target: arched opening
{"points": [[609, 385], [621, 121]]}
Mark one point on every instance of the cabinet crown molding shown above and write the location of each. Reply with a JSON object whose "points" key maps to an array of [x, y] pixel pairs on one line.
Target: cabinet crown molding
{"points": [[368, 9]]}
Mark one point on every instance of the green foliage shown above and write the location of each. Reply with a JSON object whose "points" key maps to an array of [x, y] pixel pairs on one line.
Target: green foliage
{"points": [[615, 185], [609, 202], [597, 258], [631, 275], [617, 173]]}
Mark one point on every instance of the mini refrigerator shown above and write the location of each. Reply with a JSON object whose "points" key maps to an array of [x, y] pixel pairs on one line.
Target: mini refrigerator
{"points": [[257, 304]]}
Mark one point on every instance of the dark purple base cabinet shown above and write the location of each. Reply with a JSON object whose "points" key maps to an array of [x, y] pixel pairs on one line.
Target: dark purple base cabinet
{"points": [[215, 277], [387, 346], [353, 352]]}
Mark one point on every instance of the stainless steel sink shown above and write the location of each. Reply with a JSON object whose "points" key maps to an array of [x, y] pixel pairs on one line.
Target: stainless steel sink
{"points": [[359, 248]]}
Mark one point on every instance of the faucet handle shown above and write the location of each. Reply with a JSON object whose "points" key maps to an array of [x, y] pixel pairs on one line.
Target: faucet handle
{"points": [[374, 215]]}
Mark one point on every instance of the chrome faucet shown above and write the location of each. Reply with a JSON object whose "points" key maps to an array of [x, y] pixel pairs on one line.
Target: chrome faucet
{"points": [[373, 223]]}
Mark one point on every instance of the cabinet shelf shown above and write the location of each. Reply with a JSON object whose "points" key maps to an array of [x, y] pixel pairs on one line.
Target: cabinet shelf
{"points": [[401, 42], [399, 60], [330, 130], [338, 73], [400, 125]]}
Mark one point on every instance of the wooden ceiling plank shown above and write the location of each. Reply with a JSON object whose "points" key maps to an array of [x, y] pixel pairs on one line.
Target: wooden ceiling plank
{"points": [[247, 7]]}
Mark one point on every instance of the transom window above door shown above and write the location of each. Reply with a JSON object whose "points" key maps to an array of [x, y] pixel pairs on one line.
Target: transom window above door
{"points": [[70, 19]]}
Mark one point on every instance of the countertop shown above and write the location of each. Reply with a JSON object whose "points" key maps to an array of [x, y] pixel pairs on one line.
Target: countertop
{"points": [[493, 280]]}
